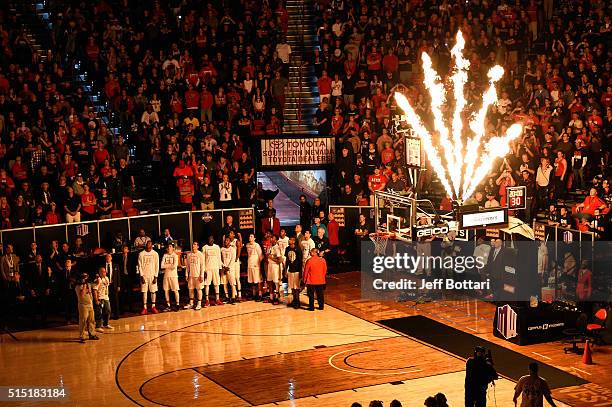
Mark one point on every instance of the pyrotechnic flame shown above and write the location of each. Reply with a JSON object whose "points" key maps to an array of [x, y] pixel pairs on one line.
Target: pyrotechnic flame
{"points": [[465, 167]]}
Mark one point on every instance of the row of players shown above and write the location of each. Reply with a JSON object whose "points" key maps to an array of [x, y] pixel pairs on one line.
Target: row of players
{"points": [[281, 256]]}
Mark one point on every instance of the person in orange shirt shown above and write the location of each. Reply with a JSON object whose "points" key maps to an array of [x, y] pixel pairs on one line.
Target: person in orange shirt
{"points": [[590, 203], [315, 270], [88, 202]]}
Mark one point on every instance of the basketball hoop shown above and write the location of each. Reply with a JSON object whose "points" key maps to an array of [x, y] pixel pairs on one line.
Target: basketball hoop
{"points": [[380, 240]]}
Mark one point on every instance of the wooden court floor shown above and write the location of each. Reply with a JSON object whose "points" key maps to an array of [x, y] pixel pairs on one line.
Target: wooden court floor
{"points": [[254, 354]]}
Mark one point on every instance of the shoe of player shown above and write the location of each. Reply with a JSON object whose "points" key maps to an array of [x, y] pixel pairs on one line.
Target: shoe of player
{"points": [[198, 307], [154, 310], [93, 338], [168, 308], [207, 303], [109, 327], [144, 311], [218, 302], [275, 302], [188, 306], [266, 300], [99, 329], [82, 340]]}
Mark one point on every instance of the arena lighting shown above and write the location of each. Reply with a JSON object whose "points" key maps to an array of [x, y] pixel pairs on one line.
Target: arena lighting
{"points": [[464, 161]]}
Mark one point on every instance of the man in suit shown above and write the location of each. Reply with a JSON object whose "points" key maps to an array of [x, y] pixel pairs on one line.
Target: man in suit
{"points": [[495, 266], [39, 281], [270, 224], [124, 280], [113, 275], [65, 283]]}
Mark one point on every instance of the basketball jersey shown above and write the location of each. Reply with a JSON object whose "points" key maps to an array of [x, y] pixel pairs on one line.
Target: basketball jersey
{"points": [[148, 263], [253, 254], [195, 264], [212, 255], [228, 255], [170, 265]]}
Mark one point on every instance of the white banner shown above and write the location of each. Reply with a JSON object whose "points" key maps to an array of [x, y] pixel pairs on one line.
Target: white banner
{"points": [[298, 151]]}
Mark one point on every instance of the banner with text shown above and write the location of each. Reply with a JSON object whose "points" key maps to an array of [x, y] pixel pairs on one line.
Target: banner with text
{"points": [[297, 151]]}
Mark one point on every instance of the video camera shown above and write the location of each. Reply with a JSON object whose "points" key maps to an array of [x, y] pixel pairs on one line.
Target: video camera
{"points": [[488, 357]]}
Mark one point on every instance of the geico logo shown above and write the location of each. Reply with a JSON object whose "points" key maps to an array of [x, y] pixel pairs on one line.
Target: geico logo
{"points": [[432, 231]]}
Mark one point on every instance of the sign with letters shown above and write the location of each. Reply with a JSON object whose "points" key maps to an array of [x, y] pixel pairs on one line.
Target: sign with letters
{"points": [[517, 197], [413, 152], [488, 217], [292, 152], [431, 230]]}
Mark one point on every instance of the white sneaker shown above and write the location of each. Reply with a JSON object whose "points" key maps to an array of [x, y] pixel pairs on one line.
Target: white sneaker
{"points": [[109, 327], [99, 329], [198, 307], [188, 306]]}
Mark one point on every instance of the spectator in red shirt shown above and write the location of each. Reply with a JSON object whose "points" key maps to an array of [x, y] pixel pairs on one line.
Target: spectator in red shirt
{"points": [[206, 104], [100, 155], [325, 86], [183, 170], [186, 190], [591, 203], [192, 99], [376, 182], [19, 170], [390, 62], [88, 203], [374, 61]]}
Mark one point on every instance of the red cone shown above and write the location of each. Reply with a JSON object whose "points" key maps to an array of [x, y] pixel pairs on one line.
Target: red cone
{"points": [[586, 356]]}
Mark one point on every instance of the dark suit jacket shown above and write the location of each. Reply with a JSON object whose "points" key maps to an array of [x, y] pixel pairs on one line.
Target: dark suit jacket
{"points": [[495, 266], [123, 280], [39, 282]]}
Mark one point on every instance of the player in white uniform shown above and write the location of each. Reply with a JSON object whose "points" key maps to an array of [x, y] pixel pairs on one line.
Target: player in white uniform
{"points": [[228, 258], [212, 266], [194, 265], [254, 258], [148, 269], [273, 269], [306, 245], [169, 265], [236, 244]]}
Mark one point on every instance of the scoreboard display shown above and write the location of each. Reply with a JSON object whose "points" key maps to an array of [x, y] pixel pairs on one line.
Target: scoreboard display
{"points": [[517, 197]]}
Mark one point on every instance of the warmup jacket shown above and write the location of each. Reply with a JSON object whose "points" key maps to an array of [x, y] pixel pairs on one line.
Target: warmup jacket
{"points": [[213, 257], [315, 271], [195, 264], [148, 263]]}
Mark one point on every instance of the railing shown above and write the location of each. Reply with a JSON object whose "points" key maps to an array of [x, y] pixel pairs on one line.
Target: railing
{"points": [[187, 226]]}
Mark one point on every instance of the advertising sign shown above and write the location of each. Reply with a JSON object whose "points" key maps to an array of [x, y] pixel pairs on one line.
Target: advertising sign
{"points": [[292, 152]]}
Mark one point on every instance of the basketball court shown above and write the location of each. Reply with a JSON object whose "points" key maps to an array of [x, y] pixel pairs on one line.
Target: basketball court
{"points": [[257, 354]]}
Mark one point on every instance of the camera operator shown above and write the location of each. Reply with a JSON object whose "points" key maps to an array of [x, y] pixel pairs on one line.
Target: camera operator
{"points": [[479, 372], [87, 320]]}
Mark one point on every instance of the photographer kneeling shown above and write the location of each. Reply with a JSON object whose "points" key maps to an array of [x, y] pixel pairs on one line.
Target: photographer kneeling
{"points": [[87, 320], [479, 372]]}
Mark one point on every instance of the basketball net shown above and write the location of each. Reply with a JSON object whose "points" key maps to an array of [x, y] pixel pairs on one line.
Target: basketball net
{"points": [[380, 240]]}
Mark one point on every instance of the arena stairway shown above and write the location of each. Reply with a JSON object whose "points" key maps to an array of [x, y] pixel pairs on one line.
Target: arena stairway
{"points": [[301, 100], [150, 196]]}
